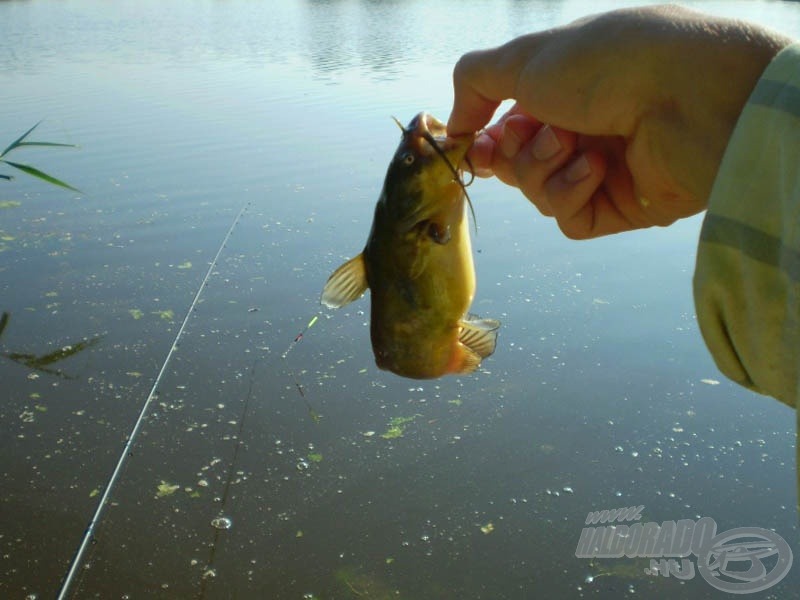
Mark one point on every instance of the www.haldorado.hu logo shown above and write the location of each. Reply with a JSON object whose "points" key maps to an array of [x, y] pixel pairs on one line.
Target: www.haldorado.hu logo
{"points": [[732, 561]]}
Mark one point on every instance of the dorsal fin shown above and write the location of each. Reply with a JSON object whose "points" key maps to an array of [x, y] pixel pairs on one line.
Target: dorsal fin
{"points": [[479, 335], [347, 283]]}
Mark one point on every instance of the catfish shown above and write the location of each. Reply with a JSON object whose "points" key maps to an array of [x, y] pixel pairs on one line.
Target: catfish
{"points": [[417, 262]]}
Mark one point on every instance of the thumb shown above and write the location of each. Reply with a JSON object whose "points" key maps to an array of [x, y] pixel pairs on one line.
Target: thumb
{"points": [[482, 79]]}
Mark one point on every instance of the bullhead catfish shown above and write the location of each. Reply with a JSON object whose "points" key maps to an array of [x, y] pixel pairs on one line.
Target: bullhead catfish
{"points": [[417, 262]]}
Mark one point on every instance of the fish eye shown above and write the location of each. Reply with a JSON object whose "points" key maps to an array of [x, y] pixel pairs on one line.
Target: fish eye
{"points": [[407, 158]]}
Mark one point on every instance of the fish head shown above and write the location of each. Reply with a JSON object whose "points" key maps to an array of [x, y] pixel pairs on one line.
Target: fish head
{"points": [[424, 176]]}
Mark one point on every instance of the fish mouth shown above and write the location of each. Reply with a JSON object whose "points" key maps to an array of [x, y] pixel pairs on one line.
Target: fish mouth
{"points": [[432, 138]]}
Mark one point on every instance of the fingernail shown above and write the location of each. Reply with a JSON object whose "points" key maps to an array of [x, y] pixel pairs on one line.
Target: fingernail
{"points": [[545, 144], [509, 143], [578, 170]]}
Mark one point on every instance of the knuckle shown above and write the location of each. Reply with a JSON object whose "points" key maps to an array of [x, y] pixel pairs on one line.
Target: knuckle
{"points": [[465, 65], [573, 230], [541, 203]]}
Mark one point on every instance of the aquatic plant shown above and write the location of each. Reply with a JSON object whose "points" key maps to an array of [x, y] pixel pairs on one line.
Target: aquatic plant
{"points": [[33, 171], [39, 362]]}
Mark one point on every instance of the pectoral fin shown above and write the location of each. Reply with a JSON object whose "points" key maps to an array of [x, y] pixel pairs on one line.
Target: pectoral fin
{"points": [[468, 361], [347, 283], [479, 335]]}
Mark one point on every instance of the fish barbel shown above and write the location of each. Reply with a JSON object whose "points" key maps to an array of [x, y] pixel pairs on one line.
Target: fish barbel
{"points": [[417, 262]]}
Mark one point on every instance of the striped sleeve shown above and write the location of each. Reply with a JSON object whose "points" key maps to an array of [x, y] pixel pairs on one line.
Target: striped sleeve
{"points": [[747, 276]]}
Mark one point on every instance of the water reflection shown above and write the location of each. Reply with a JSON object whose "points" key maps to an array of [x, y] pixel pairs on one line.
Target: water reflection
{"points": [[375, 35], [42, 363]]}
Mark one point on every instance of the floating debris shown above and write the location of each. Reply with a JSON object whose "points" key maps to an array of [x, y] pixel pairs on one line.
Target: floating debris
{"points": [[166, 489], [488, 528], [397, 427], [166, 315]]}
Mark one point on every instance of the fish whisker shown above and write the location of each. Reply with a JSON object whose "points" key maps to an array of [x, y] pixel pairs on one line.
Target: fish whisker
{"points": [[471, 171], [400, 125], [456, 173]]}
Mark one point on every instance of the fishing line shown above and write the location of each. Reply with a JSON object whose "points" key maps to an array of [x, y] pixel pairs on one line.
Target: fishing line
{"points": [[239, 443], [311, 412], [88, 536], [228, 480]]}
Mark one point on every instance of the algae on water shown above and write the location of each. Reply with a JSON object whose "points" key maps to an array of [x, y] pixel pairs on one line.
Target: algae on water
{"points": [[166, 489], [397, 427]]}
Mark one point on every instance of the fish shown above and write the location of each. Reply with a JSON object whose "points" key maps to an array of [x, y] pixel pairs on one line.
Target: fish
{"points": [[417, 262]]}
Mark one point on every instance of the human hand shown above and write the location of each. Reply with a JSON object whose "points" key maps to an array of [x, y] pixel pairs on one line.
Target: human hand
{"points": [[621, 119]]}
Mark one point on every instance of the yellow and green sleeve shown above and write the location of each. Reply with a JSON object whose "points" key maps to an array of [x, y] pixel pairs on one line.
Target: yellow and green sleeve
{"points": [[747, 277]]}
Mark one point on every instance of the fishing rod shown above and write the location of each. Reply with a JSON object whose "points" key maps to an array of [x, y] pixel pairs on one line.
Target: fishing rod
{"points": [[88, 535]]}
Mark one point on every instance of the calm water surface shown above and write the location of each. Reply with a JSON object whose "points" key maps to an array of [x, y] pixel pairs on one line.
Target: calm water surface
{"points": [[271, 121]]}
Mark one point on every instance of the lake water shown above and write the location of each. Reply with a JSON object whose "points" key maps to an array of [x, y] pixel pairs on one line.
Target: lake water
{"points": [[230, 154]]}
